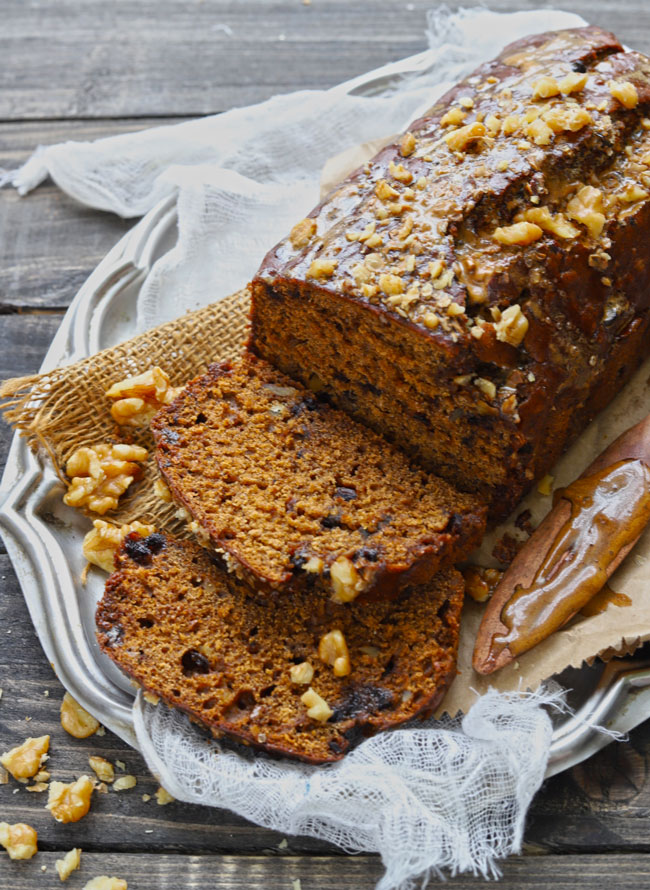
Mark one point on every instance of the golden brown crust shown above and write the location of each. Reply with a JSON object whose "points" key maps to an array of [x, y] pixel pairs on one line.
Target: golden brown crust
{"points": [[188, 632]]}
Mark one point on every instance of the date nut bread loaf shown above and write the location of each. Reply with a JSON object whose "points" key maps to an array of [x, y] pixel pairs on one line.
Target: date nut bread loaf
{"points": [[307, 679], [294, 493], [479, 290]]}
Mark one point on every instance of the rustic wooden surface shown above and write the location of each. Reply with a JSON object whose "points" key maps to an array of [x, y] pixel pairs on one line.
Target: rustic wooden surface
{"points": [[81, 69]]}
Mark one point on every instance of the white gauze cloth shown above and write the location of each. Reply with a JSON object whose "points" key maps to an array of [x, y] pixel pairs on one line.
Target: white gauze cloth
{"points": [[451, 795]]}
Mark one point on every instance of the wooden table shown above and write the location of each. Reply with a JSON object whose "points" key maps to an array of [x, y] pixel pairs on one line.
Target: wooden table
{"points": [[81, 69]]}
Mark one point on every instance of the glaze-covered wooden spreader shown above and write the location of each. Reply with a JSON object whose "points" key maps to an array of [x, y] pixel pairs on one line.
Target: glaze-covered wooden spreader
{"points": [[592, 527]]}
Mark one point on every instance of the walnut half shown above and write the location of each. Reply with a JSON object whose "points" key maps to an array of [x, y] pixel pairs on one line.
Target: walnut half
{"points": [[137, 399], [100, 475]]}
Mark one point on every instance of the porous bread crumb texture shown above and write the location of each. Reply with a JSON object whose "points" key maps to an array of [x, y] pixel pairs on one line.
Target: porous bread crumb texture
{"points": [[189, 632], [524, 189], [296, 492]]}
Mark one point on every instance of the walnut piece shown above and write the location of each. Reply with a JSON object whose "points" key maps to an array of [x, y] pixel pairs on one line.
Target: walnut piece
{"points": [[391, 284], [521, 233], [70, 802], [102, 768], [333, 650], [103, 882], [624, 92], [69, 863], [453, 117], [566, 117], [480, 582], [102, 543], [345, 580], [587, 207], [301, 674], [400, 173], [318, 709], [25, 760], [76, 720], [163, 797], [545, 87], [124, 783], [539, 132], [458, 140], [302, 233], [512, 326], [385, 191], [322, 268], [573, 83], [19, 840], [556, 224], [407, 145], [137, 399], [101, 474]]}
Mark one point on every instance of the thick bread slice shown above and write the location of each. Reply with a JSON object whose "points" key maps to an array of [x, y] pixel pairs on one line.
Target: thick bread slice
{"points": [[187, 631], [291, 490]]}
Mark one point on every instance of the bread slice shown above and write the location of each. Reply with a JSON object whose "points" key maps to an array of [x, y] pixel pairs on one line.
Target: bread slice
{"points": [[292, 491], [187, 631]]}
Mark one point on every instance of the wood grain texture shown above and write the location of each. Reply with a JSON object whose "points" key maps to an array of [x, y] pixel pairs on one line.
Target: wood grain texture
{"points": [[85, 58], [169, 872]]}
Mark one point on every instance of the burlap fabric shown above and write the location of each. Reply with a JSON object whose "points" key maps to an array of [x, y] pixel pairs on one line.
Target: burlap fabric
{"points": [[67, 408]]}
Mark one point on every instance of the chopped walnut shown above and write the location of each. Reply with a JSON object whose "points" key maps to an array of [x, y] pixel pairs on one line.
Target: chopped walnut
{"points": [[302, 233], [545, 485], [539, 131], [301, 674], [624, 92], [430, 320], [69, 863], [480, 582], [102, 543], [385, 191], [163, 797], [345, 580], [567, 117], [318, 709], [458, 140], [399, 172], [632, 194], [452, 118], [19, 840], [486, 387], [573, 83], [493, 124], [76, 720], [521, 233], [407, 145], [545, 87], [103, 882], [391, 284], [322, 268], [511, 124], [555, 224], [587, 207], [101, 474], [333, 650], [124, 783], [137, 399], [512, 326], [102, 768], [25, 760], [70, 802]]}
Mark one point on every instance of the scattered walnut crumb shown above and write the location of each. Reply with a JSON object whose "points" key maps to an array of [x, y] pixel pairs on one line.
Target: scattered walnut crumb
{"points": [[521, 233], [19, 840], [70, 802], [146, 798], [120, 765], [458, 140], [512, 326], [318, 709], [545, 485], [76, 720], [124, 783], [161, 490], [480, 582], [488, 388], [101, 474], [624, 92], [407, 145], [301, 674], [322, 268], [137, 399], [567, 117], [163, 797], [391, 284], [302, 233], [539, 131], [103, 882], [400, 173], [632, 194], [4, 776], [102, 768], [333, 650], [453, 117], [545, 87], [385, 191], [556, 224], [25, 760], [573, 83], [587, 207], [345, 580], [69, 863]]}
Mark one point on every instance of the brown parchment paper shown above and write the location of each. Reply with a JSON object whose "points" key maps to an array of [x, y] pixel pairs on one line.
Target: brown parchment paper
{"points": [[66, 408]]}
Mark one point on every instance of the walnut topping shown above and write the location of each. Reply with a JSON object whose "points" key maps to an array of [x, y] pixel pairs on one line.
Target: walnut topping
{"points": [[502, 166], [385, 191], [458, 140], [69, 863], [70, 802], [539, 131], [486, 387], [573, 83], [301, 674], [624, 92], [453, 117], [511, 124], [545, 485], [102, 768], [493, 124], [545, 87], [314, 565], [101, 474], [430, 320], [555, 224], [333, 650], [76, 720], [632, 194], [345, 580], [422, 182], [318, 709], [519, 233], [512, 326], [466, 102], [19, 840], [102, 543], [137, 399], [124, 783], [444, 280], [322, 268], [302, 233], [480, 582], [567, 117], [407, 145], [102, 882], [391, 284], [399, 172], [25, 760], [587, 207]]}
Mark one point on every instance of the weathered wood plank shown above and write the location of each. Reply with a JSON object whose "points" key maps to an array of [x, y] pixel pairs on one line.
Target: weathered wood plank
{"points": [[169, 872], [84, 58]]}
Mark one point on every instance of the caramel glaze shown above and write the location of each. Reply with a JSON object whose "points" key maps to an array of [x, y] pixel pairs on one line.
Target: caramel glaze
{"points": [[609, 509], [603, 600]]}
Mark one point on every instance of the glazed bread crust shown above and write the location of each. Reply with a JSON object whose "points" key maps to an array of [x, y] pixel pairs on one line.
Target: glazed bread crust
{"points": [[479, 290]]}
